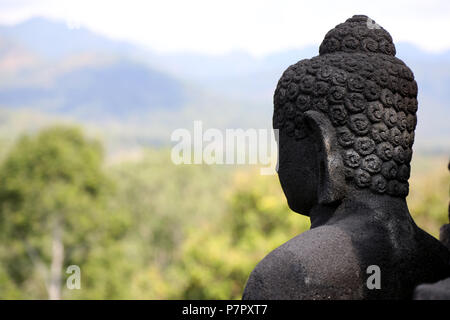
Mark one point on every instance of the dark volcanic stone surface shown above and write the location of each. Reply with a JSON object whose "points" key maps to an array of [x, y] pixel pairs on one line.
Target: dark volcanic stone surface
{"points": [[445, 235], [436, 291], [301, 269]]}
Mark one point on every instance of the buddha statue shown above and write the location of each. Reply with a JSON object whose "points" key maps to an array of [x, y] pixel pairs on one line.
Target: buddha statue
{"points": [[346, 121]]}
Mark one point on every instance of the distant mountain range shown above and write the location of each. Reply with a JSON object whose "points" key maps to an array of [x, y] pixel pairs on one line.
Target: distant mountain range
{"points": [[121, 88], [129, 92]]}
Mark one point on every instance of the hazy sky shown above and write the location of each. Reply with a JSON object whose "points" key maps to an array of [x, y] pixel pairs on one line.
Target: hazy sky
{"points": [[258, 27]]}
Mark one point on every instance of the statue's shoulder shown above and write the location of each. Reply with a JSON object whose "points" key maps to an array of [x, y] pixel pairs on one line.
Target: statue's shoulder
{"points": [[318, 264]]}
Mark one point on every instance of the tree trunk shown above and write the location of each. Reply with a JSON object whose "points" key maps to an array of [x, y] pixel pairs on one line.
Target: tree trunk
{"points": [[54, 288]]}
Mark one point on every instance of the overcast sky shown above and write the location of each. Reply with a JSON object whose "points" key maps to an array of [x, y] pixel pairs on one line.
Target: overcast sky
{"points": [[256, 26]]}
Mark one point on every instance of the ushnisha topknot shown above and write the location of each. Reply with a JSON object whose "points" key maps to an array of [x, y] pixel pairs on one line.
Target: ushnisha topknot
{"points": [[358, 34], [369, 96]]}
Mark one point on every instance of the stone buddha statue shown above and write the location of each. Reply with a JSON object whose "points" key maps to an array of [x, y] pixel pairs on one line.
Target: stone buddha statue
{"points": [[346, 121]]}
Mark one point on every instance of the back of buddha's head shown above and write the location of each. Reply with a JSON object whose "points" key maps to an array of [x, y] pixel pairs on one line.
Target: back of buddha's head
{"points": [[369, 97]]}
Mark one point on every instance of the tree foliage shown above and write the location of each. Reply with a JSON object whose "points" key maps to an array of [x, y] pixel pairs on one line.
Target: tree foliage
{"points": [[54, 207]]}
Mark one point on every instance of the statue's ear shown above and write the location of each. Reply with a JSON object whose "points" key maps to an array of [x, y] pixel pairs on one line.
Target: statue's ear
{"points": [[332, 186]]}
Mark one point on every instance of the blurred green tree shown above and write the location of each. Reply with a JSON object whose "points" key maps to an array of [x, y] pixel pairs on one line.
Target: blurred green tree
{"points": [[165, 201], [53, 212], [218, 256]]}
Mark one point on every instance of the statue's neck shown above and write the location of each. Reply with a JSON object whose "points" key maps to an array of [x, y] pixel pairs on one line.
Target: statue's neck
{"points": [[361, 203]]}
